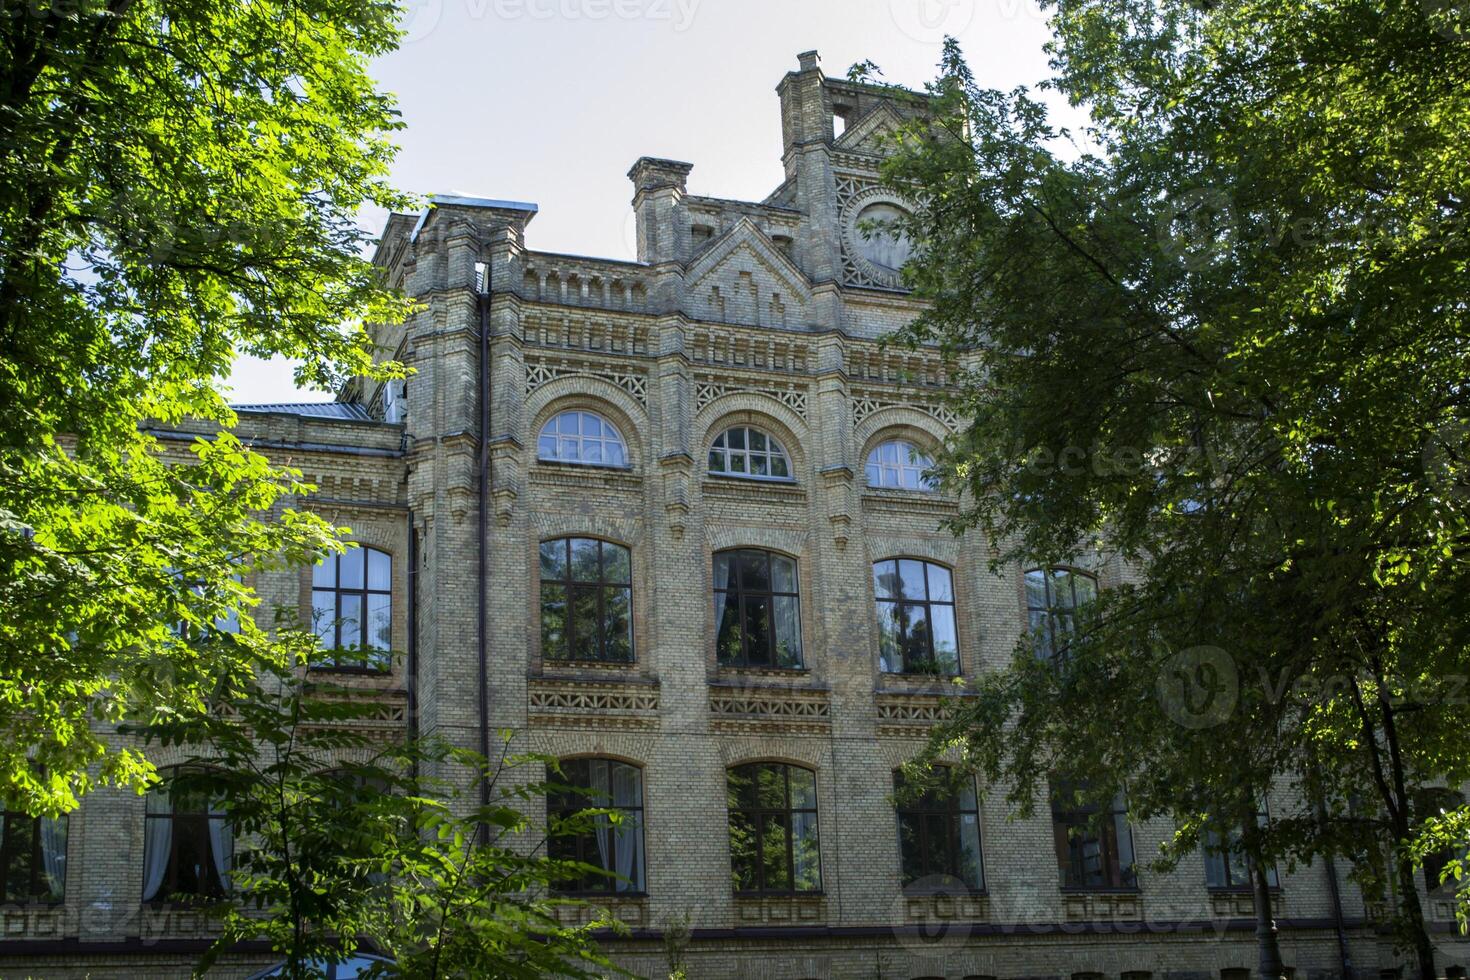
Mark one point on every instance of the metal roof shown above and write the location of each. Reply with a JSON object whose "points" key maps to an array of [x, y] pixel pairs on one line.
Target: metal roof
{"points": [[317, 410]]}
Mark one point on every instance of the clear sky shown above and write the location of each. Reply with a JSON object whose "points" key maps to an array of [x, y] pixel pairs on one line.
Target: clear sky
{"points": [[551, 101]]}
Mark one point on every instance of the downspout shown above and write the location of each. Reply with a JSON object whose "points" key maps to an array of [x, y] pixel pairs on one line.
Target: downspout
{"points": [[413, 629], [482, 289]]}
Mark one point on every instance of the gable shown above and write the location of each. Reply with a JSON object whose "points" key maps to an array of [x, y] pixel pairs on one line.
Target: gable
{"points": [[743, 278], [866, 135]]}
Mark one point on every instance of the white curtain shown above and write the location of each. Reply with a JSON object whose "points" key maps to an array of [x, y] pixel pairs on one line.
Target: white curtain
{"points": [[602, 826], [158, 837], [221, 847], [628, 852], [724, 579], [53, 854]]}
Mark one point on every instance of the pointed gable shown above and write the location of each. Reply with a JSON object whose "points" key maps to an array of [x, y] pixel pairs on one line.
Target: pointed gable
{"points": [[743, 278], [866, 135]]}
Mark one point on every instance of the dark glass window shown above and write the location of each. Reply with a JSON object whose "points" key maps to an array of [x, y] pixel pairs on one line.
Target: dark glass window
{"points": [[1053, 596], [187, 845], [601, 784], [1226, 866], [586, 601], [747, 452], [352, 609], [916, 618], [939, 837], [32, 858], [757, 610], [773, 829], [1093, 851], [1431, 803]]}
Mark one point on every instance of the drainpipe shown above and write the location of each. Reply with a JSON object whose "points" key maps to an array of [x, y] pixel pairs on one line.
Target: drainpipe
{"points": [[482, 285], [413, 629]]}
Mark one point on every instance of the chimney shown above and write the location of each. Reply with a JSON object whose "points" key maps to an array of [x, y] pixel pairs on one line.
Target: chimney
{"points": [[659, 187]]}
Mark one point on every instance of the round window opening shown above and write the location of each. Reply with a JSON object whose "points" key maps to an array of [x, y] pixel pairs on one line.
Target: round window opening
{"points": [[881, 239]]}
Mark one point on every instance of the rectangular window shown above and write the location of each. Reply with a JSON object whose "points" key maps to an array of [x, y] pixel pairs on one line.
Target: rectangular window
{"points": [[939, 838], [1094, 847], [32, 858]]}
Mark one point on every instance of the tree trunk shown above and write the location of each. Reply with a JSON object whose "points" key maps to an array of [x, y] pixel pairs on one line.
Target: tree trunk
{"points": [[1271, 967]]}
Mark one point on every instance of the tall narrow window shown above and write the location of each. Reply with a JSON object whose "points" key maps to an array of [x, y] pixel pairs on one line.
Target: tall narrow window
{"points": [[187, 845], [757, 614], [582, 437], [916, 620], [32, 858], [1431, 803], [586, 601], [939, 836], [352, 609], [746, 452], [773, 829], [899, 465], [1226, 865], [601, 784], [1053, 596], [1094, 848]]}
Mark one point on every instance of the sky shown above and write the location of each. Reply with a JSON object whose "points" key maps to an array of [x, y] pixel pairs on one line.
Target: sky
{"points": [[551, 101]]}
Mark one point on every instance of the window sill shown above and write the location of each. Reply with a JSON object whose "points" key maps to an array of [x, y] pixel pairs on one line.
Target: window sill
{"points": [[779, 481], [756, 670], [1232, 890], [576, 467], [376, 672], [940, 891], [763, 896], [631, 897], [621, 666], [1101, 890]]}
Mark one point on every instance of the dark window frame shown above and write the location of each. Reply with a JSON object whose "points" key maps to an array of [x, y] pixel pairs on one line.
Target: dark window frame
{"points": [[584, 846], [738, 593], [197, 823], [374, 660], [37, 890], [909, 669], [602, 586], [1217, 846], [952, 813], [1076, 821], [758, 817], [1046, 638]]}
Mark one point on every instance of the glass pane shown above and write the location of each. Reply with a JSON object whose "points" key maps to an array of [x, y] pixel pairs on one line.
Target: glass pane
{"points": [[351, 563], [779, 467], [1084, 588], [1061, 588], [380, 571], [875, 475], [737, 463], [553, 622], [740, 787], [554, 559], [591, 425], [783, 574], [53, 856], [546, 447], [719, 442], [1125, 847], [910, 847], [770, 786], [585, 560], [936, 843], [743, 853], [724, 568], [735, 439], [966, 797], [616, 454], [569, 449], [324, 573], [380, 622], [727, 627], [911, 579], [759, 466], [585, 627], [324, 617], [774, 862], [916, 641], [616, 564], [885, 580], [941, 588], [804, 853], [716, 461], [757, 622], [788, 632], [619, 624], [970, 869], [889, 655], [628, 852], [351, 613], [803, 788], [566, 423], [755, 571], [910, 478], [1216, 875], [592, 450], [17, 842], [757, 441], [946, 644], [1036, 589]]}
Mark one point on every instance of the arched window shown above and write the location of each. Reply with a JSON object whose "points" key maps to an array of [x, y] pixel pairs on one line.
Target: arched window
{"points": [[582, 437], [1053, 596], [750, 453], [773, 829], [352, 609], [916, 618], [601, 784], [757, 609], [187, 843], [899, 465], [32, 858], [586, 601], [939, 836]]}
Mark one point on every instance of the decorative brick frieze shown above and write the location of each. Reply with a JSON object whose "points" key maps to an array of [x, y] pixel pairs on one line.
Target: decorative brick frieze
{"points": [[619, 704], [749, 707]]}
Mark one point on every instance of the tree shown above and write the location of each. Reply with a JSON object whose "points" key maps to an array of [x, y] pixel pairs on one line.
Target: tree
{"points": [[350, 837], [1223, 345], [179, 185]]}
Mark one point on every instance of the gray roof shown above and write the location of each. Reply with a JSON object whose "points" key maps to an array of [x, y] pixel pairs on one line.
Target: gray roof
{"points": [[316, 410]]}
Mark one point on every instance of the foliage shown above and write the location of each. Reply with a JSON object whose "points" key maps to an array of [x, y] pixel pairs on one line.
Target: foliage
{"points": [[179, 185], [350, 838], [1220, 341]]}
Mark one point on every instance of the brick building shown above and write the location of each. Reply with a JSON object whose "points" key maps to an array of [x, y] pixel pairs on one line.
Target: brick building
{"points": [[667, 519]]}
